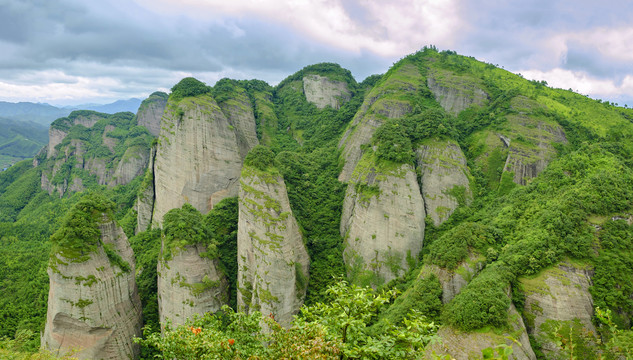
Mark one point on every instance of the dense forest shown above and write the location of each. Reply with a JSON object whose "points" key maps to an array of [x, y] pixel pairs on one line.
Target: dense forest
{"points": [[526, 206]]}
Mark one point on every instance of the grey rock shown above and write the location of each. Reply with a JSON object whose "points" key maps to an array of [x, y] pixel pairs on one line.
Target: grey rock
{"points": [[273, 263], [323, 92], [93, 306], [455, 93], [150, 112]]}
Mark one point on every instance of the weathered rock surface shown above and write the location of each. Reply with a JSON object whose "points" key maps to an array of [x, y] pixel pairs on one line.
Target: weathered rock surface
{"points": [[56, 135], [380, 102], [322, 91], [273, 264], [454, 92], [151, 111], [444, 177], [146, 197], [94, 306], [465, 346], [132, 164], [207, 149], [453, 281], [558, 294], [189, 283], [382, 222]]}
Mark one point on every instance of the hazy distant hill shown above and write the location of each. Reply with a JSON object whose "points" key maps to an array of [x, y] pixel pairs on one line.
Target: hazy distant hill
{"points": [[20, 140], [42, 114], [130, 105]]}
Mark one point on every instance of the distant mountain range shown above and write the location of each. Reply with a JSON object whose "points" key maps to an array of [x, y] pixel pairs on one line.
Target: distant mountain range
{"points": [[44, 114]]}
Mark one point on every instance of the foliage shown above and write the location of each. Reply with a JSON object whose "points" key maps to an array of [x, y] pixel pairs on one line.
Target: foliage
{"points": [[453, 247], [183, 227], [79, 234], [334, 330], [146, 247], [260, 157], [188, 87], [221, 224], [18, 349]]}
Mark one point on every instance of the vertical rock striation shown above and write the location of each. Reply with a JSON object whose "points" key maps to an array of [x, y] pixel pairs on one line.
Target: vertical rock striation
{"points": [[189, 283], [93, 305], [151, 111], [382, 222], [444, 177], [323, 92], [273, 264], [206, 147]]}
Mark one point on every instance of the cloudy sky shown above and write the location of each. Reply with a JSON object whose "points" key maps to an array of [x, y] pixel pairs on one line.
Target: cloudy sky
{"points": [[75, 51]]}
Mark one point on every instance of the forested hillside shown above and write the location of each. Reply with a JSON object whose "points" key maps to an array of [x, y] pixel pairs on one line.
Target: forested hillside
{"points": [[446, 199]]}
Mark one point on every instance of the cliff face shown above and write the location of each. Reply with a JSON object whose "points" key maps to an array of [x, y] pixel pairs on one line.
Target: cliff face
{"points": [[146, 197], [464, 346], [189, 283], [454, 92], [444, 177], [151, 111], [94, 305], [558, 296], [382, 101], [453, 281], [88, 147], [323, 92], [382, 222], [207, 147], [273, 264]]}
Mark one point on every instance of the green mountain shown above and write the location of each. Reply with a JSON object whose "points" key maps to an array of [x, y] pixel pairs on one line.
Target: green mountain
{"points": [[20, 140], [445, 199]]}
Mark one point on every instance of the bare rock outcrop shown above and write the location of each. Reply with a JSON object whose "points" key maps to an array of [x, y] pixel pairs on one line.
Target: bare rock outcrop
{"points": [[132, 164], [146, 197], [556, 295], [468, 345], [151, 111], [207, 147], [453, 281], [322, 92], [189, 283], [93, 305], [455, 92], [379, 103], [382, 222], [273, 263], [444, 177]]}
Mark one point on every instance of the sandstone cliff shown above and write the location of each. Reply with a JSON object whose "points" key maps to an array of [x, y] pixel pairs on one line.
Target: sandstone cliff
{"points": [[273, 264], [455, 93], [453, 281], [146, 197], [323, 92], [207, 144], [383, 101], [558, 296], [465, 346], [151, 111], [444, 177], [93, 305], [382, 222], [189, 283]]}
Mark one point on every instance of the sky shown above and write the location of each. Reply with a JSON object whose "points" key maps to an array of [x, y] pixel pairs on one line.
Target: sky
{"points": [[69, 52]]}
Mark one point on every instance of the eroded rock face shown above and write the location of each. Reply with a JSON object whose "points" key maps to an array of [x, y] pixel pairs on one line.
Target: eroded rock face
{"points": [[454, 92], [444, 178], [206, 147], [382, 223], [151, 111], [558, 294], [132, 164], [146, 197], [189, 283], [322, 91], [465, 346], [378, 102], [93, 306], [273, 264], [453, 281]]}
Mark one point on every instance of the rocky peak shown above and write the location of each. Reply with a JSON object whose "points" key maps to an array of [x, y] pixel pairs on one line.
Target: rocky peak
{"points": [[93, 303], [322, 92], [273, 264], [151, 111]]}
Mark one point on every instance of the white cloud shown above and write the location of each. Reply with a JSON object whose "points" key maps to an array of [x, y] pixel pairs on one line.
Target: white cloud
{"points": [[581, 82], [389, 28]]}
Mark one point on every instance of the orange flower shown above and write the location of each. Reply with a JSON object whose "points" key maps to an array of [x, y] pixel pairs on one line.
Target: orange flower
{"points": [[195, 331], [231, 341]]}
